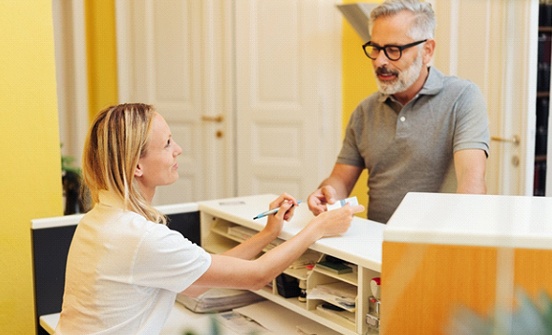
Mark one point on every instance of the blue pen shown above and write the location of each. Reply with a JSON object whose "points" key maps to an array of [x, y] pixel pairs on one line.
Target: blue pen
{"points": [[272, 211]]}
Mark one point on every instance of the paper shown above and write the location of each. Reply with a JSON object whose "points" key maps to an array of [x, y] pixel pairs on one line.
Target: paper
{"points": [[280, 320], [218, 300], [340, 294], [240, 324], [340, 203]]}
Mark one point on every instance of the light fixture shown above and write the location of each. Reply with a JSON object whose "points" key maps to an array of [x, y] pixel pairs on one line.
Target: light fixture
{"points": [[357, 15]]}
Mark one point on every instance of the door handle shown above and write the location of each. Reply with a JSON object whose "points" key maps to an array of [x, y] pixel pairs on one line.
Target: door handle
{"points": [[514, 140], [213, 118]]}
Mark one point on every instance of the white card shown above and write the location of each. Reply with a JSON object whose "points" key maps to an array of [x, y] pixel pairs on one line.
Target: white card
{"points": [[340, 203]]}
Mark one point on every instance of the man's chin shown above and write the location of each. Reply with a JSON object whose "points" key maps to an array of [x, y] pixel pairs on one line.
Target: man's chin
{"points": [[386, 88]]}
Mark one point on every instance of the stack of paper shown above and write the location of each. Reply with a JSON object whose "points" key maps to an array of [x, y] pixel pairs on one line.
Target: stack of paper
{"points": [[340, 294], [218, 300]]}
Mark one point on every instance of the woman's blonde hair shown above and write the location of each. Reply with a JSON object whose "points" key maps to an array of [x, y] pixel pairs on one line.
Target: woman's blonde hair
{"points": [[116, 140]]}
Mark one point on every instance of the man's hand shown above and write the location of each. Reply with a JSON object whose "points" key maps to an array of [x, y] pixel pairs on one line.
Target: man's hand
{"points": [[318, 200]]}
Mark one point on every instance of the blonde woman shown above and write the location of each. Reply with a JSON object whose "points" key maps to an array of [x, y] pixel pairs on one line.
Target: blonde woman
{"points": [[125, 266]]}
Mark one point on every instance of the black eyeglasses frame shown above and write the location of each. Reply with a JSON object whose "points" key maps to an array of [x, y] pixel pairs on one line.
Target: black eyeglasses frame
{"points": [[384, 48]]}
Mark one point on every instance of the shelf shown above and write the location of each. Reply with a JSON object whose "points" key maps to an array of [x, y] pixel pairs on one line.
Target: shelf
{"points": [[344, 318], [223, 230], [300, 274], [350, 278]]}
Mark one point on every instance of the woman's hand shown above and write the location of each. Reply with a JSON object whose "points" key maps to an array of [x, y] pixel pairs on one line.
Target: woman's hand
{"points": [[275, 222], [336, 221]]}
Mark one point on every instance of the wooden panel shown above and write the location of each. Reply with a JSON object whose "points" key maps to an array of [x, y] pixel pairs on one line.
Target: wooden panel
{"points": [[534, 271], [423, 285]]}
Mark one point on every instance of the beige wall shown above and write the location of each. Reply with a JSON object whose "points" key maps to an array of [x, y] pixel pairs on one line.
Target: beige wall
{"points": [[30, 182]]}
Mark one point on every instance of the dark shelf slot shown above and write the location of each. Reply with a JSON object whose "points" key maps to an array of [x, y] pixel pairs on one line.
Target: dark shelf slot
{"points": [[540, 158], [543, 97]]}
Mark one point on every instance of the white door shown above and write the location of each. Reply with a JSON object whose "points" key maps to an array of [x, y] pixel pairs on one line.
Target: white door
{"points": [[493, 43], [164, 60], [251, 90], [287, 94]]}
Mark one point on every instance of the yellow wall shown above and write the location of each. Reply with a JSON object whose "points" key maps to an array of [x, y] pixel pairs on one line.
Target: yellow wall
{"points": [[30, 182], [102, 55], [358, 83]]}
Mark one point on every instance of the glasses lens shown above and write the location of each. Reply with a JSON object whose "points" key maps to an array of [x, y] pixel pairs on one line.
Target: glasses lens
{"points": [[371, 51], [392, 52]]}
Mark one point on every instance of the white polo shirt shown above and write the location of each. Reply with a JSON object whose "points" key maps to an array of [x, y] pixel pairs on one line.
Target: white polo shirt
{"points": [[123, 272]]}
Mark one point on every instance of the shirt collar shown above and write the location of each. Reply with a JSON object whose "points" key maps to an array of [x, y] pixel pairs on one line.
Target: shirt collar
{"points": [[432, 85]]}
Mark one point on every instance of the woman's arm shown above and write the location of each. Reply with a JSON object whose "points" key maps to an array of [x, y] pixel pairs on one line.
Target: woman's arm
{"points": [[232, 272]]}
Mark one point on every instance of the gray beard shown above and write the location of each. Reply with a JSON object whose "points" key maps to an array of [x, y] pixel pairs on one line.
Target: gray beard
{"points": [[404, 80]]}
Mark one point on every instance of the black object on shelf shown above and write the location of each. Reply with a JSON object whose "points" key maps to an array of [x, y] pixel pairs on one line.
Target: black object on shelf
{"points": [[288, 286]]}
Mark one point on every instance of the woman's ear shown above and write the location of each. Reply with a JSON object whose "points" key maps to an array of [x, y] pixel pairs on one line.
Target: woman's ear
{"points": [[138, 171]]}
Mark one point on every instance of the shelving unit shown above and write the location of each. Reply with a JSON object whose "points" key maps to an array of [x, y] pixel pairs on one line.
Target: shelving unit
{"points": [[227, 222], [543, 97]]}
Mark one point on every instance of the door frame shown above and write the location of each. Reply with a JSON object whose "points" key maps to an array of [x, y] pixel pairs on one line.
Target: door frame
{"points": [[71, 75]]}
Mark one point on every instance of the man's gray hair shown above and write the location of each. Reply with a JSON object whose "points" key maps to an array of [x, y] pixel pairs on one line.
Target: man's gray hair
{"points": [[424, 21]]}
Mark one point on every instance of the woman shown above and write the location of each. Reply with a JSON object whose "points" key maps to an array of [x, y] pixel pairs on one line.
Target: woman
{"points": [[125, 266]]}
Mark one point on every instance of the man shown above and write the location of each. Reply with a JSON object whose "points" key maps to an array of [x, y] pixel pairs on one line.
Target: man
{"points": [[418, 127]]}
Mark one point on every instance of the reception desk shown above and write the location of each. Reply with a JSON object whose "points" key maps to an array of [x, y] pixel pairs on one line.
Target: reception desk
{"points": [[218, 225], [444, 260], [449, 260]]}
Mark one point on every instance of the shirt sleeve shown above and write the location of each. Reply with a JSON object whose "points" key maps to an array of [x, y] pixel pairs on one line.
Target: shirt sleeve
{"points": [[472, 124], [168, 260]]}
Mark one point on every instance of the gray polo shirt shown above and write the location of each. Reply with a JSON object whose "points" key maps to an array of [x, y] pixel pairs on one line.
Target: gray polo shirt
{"points": [[410, 148]]}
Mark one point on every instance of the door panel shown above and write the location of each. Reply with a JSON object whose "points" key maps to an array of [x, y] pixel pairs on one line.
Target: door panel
{"points": [[490, 42], [281, 56]]}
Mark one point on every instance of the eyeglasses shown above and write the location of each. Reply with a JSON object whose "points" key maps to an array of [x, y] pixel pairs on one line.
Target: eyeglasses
{"points": [[393, 52]]}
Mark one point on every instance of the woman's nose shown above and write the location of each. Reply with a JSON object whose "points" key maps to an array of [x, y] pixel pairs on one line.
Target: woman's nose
{"points": [[178, 150]]}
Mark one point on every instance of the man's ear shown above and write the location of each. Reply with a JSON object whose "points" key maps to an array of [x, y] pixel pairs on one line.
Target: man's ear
{"points": [[138, 171], [429, 49]]}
